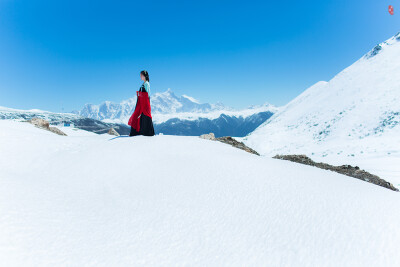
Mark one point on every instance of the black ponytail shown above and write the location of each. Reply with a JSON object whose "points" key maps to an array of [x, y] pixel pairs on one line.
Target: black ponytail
{"points": [[145, 74]]}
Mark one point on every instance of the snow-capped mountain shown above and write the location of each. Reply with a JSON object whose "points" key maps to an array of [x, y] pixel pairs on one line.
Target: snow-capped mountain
{"points": [[168, 102], [355, 113], [161, 103], [184, 115]]}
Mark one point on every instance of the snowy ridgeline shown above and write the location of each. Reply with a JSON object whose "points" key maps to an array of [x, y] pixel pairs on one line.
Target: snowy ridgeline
{"points": [[184, 115], [352, 119], [87, 199], [59, 119], [166, 106]]}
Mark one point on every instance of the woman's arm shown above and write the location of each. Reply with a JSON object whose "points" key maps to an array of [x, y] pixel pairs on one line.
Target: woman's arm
{"points": [[147, 87]]}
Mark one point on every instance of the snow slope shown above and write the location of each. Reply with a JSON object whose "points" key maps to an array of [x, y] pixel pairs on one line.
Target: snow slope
{"points": [[174, 200], [355, 117]]}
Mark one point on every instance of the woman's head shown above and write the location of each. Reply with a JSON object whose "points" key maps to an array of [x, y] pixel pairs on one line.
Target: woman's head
{"points": [[144, 75]]}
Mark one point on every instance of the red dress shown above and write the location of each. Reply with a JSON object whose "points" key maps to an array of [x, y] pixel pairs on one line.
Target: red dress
{"points": [[141, 117]]}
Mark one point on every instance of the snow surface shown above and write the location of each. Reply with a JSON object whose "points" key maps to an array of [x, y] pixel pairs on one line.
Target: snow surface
{"points": [[192, 99], [72, 131], [355, 117], [178, 200]]}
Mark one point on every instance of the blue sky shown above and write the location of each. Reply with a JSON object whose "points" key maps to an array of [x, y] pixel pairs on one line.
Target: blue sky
{"points": [[59, 55]]}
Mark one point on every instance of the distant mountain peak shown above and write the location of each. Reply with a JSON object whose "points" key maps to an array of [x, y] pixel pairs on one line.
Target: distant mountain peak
{"points": [[168, 92], [162, 103], [165, 105]]}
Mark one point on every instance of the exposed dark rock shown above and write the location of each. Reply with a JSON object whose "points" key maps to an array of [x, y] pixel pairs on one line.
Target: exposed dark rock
{"points": [[348, 170], [374, 51]]}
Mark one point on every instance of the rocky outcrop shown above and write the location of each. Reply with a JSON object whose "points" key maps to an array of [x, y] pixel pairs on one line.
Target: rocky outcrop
{"points": [[43, 124], [112, 131], [230, 141], [209, 136], [233, 142], [57, 131], [348, 170]]}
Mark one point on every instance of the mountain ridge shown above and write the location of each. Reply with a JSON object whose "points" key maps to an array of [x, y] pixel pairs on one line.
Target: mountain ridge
{"points": [[184, 106], [185, 115]]}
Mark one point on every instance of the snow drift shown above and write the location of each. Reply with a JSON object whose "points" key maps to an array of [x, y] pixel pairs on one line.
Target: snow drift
{"points": [[87, 199]]}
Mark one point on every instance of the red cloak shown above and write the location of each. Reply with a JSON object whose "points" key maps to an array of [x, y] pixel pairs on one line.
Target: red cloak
{"points": [[142, 106]]}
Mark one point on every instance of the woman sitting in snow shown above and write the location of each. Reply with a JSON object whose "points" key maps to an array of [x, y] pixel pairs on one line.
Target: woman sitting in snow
{"points": [[141, 121]]}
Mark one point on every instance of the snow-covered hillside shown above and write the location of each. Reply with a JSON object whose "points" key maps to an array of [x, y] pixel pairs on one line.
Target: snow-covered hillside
{"points": [[88, 199], [351, 118]]}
